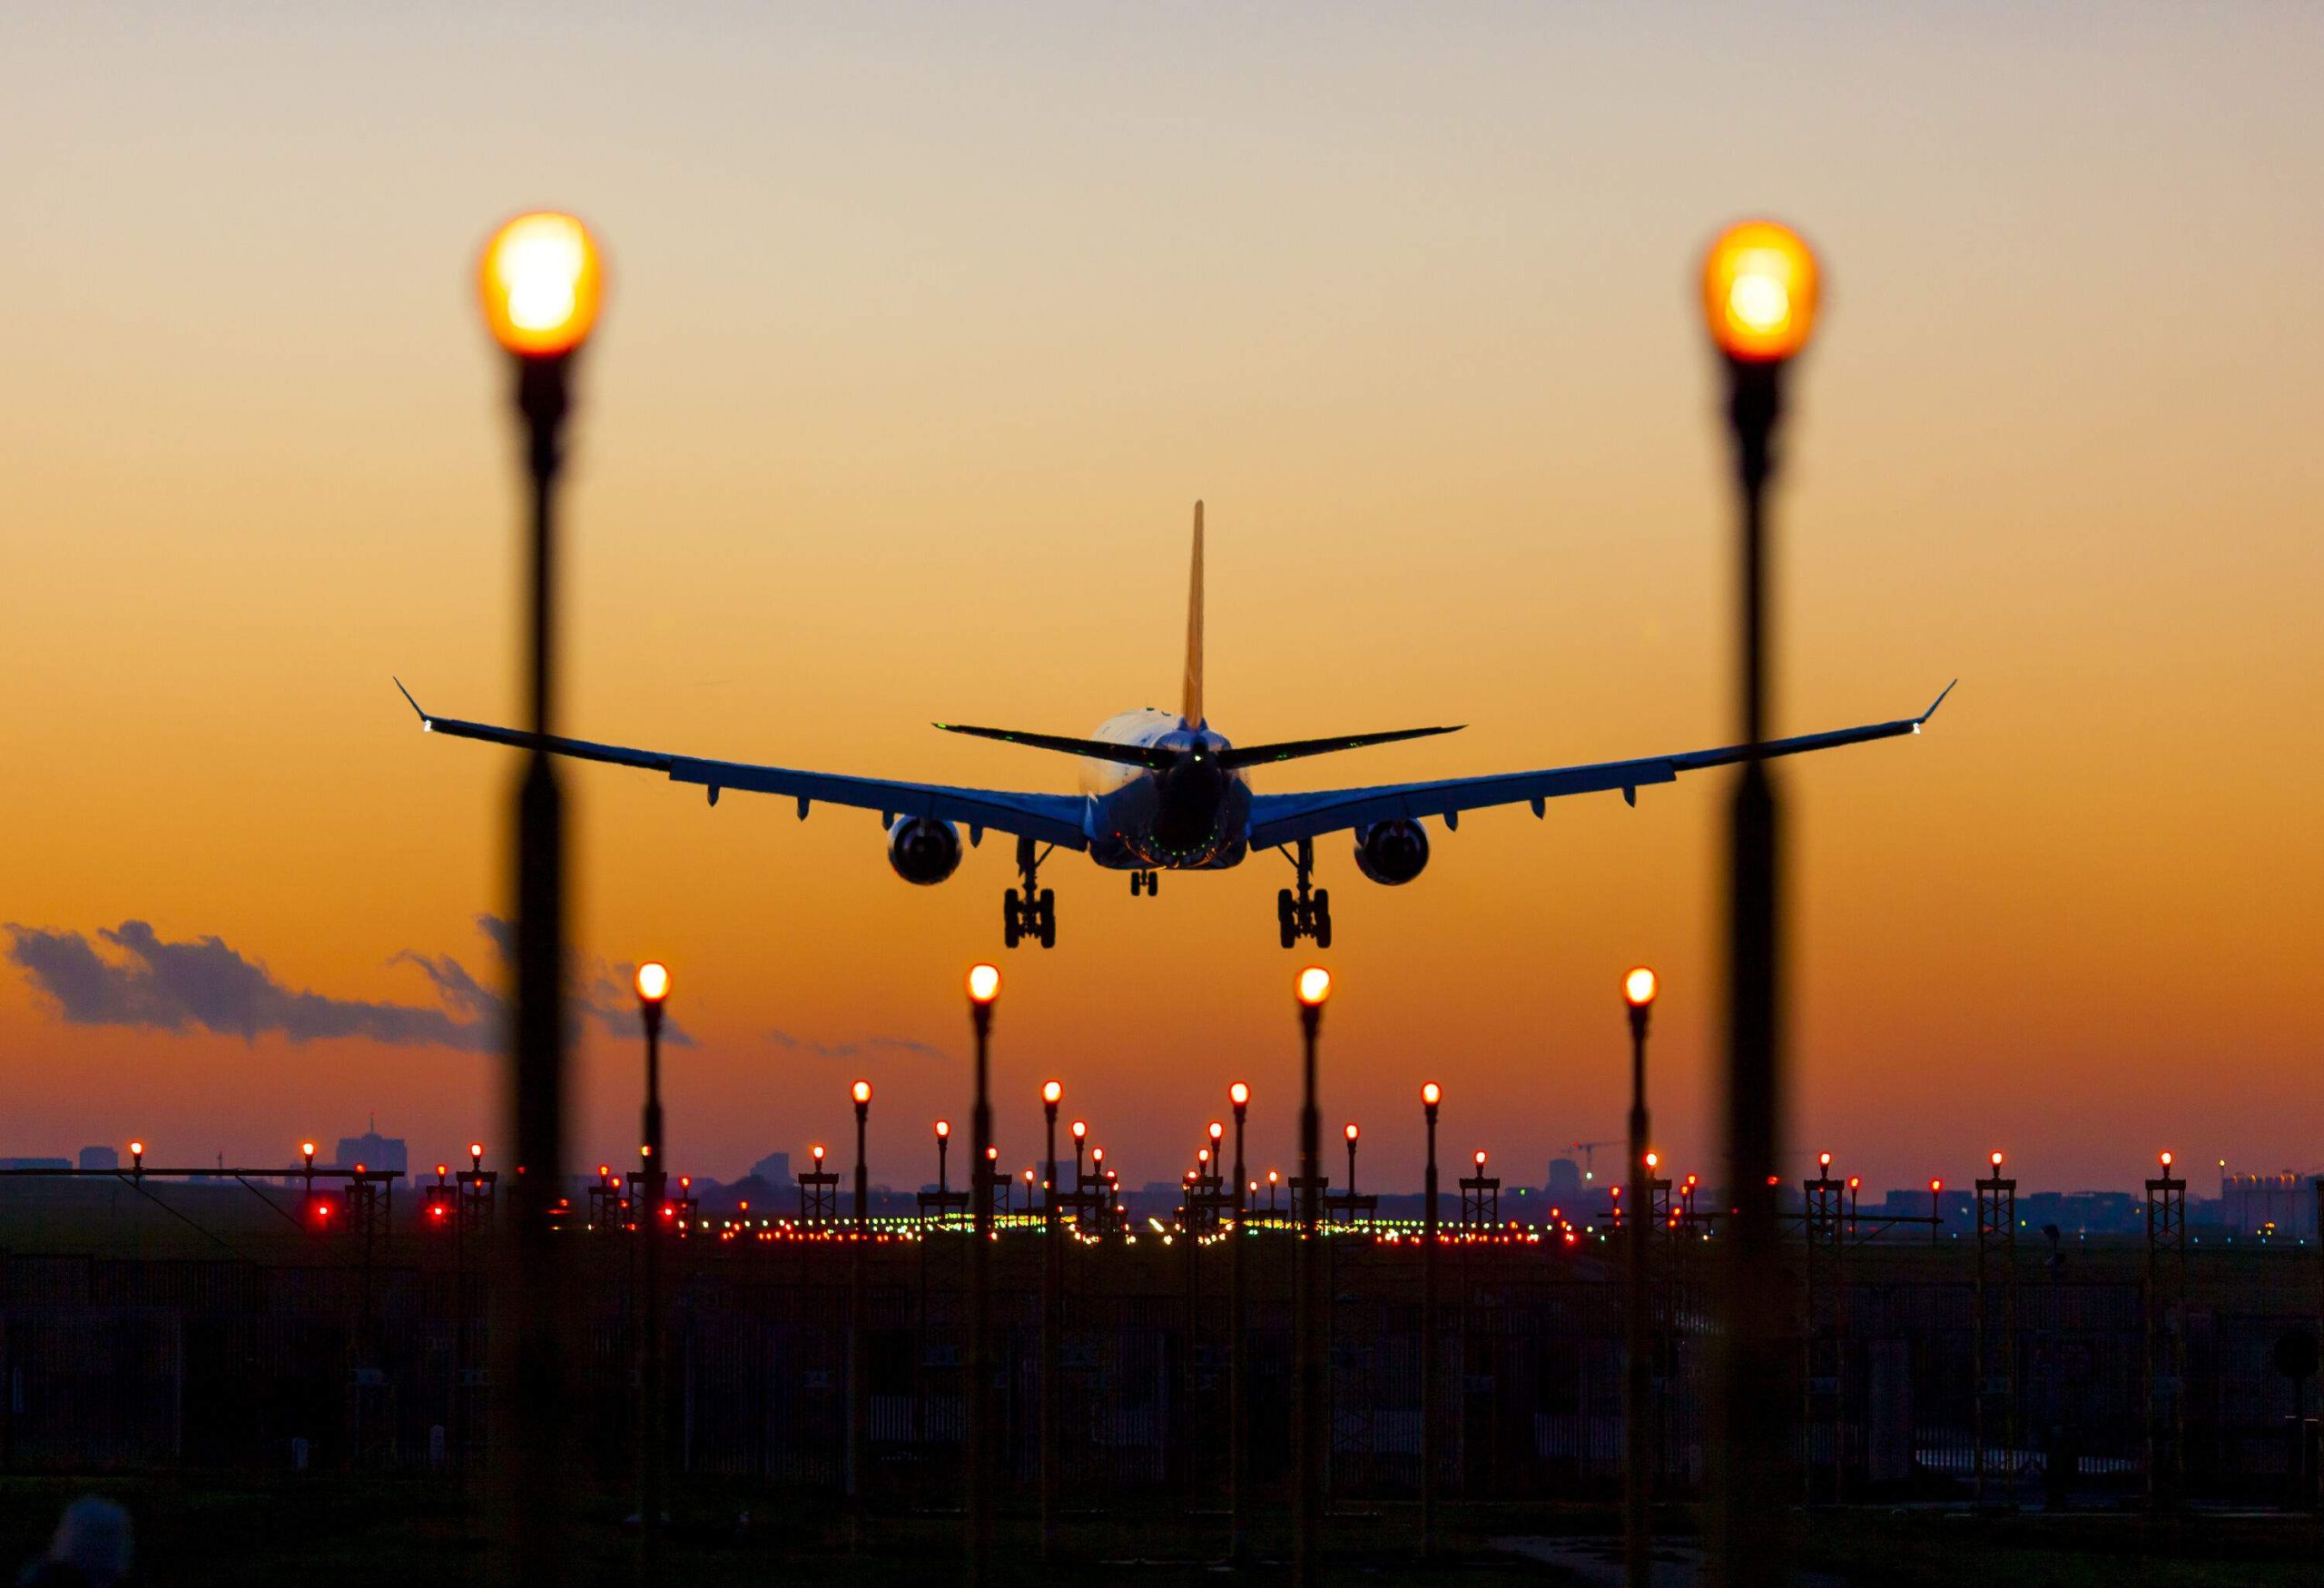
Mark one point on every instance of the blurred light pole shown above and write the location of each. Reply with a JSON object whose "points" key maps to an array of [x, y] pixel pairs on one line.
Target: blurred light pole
{"points": [[943, 1141], [984, 987], [652, 990], [1430, 1095], [1936, 1210], [540, 281], [859, 1364], [1314, 986], [1638, 989], [1759, 292], [1052, 1323], [1079, 1130], [1238, 1384], [1351, 1134]]}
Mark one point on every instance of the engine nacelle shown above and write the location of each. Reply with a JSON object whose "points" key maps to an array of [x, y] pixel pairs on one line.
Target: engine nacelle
{"points": [[1393, 853], [923, 851]]}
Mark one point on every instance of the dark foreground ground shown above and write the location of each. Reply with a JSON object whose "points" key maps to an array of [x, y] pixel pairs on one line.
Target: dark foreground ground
{"points": [[370, 1533]]}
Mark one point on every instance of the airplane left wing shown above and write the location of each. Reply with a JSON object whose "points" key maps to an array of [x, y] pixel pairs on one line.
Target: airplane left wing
{"points": [[1047, 818], [1282, 818]]}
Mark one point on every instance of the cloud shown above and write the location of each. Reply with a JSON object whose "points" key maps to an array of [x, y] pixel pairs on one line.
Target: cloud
{"points": [[204, 984], [861, 1047]]}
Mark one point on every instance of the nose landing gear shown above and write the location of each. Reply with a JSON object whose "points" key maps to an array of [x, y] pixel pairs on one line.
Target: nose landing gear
{"points": [[1302, 911], [1033, 913]]}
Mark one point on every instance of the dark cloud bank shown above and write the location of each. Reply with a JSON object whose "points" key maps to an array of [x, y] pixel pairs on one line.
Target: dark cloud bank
{"points": [[130, 975]]}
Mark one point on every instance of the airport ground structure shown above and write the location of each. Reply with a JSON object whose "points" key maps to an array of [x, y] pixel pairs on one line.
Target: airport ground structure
{"points": [[215, 1329]]}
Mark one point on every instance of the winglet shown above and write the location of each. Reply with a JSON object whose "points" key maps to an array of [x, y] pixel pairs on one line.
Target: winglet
{"points": [[426, 725], [1934, 704]]}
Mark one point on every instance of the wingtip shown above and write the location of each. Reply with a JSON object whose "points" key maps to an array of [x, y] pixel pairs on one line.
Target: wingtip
{"points": [[1937, 702], [425, 724]]}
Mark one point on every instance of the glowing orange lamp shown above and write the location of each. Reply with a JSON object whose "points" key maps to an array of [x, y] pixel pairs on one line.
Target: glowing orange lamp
{"points": [[1759, 292], [541, 280]]}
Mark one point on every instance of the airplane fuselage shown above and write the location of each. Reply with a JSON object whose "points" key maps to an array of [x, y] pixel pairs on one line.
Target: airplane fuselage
{"points": [[1195, 815]]}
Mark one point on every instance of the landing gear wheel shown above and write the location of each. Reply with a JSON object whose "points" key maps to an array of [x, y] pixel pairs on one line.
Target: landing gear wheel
{"points": [[1137, 884], [1286, 917], [1321, 928], [1153, 883], [1029, 910]]}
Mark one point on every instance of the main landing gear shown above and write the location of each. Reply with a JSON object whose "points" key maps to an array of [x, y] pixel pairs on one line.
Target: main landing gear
{"points": [[1304, 913], [1033, 913], [1147, 882]]}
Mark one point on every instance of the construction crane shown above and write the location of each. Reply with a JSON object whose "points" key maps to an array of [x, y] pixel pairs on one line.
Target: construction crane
{"points": [[1589, 1169]]}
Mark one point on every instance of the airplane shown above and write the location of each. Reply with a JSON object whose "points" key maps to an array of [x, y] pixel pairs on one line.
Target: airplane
{"points": [[1165, 790]]}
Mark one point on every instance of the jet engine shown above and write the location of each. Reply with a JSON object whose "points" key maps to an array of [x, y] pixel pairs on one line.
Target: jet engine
{"points": [[923, 851], [1393, 853]]}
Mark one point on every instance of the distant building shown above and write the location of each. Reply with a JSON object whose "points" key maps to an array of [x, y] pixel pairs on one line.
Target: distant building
{"points": [[774, 1168], [100, 1159], [2282, 1203], [35, 1163], [1565, 1181], [373, 1151]]}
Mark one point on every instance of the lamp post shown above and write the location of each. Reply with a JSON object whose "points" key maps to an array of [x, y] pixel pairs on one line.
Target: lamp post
{"points": [[1238, 1384], [1314, 985], [943, 1141], [1759, 292], [1080, 1132], [652, 982], [1052, 1323], [984, 988], [859, 1388], [1430, 1095], [1638, 989], [1936, 1210], [540, 282]]}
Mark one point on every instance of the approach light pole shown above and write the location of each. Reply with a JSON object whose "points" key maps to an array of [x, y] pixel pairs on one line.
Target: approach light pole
{"points": [[1052, 1323], [1759, 293], [1314, 985], [540, 279], [859, 1363], [652, 981], [1431, 1094], [1238, 1382], [984, 988], [943, 1141], [1638, 989]]}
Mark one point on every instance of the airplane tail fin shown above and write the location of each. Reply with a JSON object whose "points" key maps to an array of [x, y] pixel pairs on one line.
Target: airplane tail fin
{"points": [[1190, 699]]}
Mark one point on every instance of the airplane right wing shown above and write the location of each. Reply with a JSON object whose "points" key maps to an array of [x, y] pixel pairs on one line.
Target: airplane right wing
{"points": [[1045, 818], [1278, 819]]}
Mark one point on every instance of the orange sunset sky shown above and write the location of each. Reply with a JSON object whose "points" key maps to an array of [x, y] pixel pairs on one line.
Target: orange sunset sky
{"points": [[927, 325]]}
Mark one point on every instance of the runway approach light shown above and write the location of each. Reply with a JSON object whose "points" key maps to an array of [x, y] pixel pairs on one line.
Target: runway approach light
{"points": [[1314, 986], [943, 1128], [860, 1091], [1639, 986], [2166, 1160], [1051, 1091], [1240, 1095], [1759, 292], [1432, 1094], [652, 981], [1080, 1129], [1352, 1131], [984, 983], [540, 281], [1996, 1157]]}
